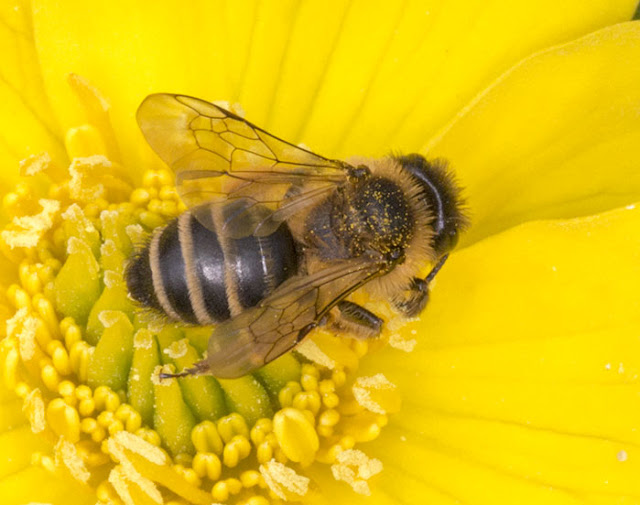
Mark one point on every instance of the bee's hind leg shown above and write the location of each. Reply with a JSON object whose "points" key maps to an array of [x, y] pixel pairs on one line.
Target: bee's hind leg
{"points": [[356, 320], [413, 301]]}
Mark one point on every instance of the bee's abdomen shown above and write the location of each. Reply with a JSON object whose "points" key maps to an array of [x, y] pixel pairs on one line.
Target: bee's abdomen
{"points": [[194, 275]]}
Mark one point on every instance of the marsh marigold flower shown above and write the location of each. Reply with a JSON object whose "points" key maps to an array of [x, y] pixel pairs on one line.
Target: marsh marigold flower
{"points": [[519, 383]]}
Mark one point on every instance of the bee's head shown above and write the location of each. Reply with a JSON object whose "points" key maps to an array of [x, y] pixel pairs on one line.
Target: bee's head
{"points": [[442, 196]]}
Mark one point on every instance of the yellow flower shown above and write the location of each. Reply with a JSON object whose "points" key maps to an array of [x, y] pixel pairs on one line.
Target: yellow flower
{"points": [[522, 382]]}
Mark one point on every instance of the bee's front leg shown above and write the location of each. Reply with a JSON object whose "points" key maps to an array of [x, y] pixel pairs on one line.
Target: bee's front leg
{"points": [[413, 301], [356, 320]]}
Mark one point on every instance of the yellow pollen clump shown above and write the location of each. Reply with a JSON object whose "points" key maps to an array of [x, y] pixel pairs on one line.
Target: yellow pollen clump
{"points": [[296, 435], [35, 164], [355, 468], [284, 481], [177, 349], [67, 455], [28, 230], [34, 409], [376, 394]]}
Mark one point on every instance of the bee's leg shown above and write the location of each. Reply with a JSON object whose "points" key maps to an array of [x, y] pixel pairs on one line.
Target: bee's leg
{"points": [[413, 301], [356, 320]]}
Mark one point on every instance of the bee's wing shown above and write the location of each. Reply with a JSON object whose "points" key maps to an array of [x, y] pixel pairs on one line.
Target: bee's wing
{"points": [[218, 156], [260, 334]]}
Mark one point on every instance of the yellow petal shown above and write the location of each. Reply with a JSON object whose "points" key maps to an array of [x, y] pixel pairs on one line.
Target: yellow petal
{"points": [[27, 125], [557, 136], [342, 77], [36, 485], [525, 379]]}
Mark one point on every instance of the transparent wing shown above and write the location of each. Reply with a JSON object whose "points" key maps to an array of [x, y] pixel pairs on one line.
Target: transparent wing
{"points": [[261, 334], [218, 156]]}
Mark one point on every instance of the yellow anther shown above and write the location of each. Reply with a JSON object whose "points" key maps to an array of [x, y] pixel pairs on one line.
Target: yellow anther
{"points": [[220, 491], [347, 442], [64, 420], [287, 393], [51, 262], [133, 422], [140, 196], [232, 425], [250, 478], [46, 274], [88, 425], [99, 434], [360, 347], [207, 464], [168, 208], [325, 431], [72, 335], [11, 363], [48, 464], [235, 451], [106, 399], [168, 193], [260, 430], [233, 485], [45, 310], [51, 346], [205, 438], [105, 493], [339, 377], [151, 219], [22, 389], [11, 292], [149, 435], [61, 361], [309, 382], [79, 358], [10, 200], [330, 400], [66, 323], [67, 388], [264, 452], [150, 178], [91, 454], [83, 392], [154, 206], [105, 419], [309, 369], [307, 400], [329, 418], [165, 178], [296, 435], [188, 474], [50, 377], [115, 427], [326, 386], [22, 299]]}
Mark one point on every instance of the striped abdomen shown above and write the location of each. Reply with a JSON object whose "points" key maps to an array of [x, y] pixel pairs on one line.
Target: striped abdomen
{"points": [[194, 275]]}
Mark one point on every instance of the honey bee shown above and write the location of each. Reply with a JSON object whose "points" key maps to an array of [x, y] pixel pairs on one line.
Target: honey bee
{"points": [[276, 237]]}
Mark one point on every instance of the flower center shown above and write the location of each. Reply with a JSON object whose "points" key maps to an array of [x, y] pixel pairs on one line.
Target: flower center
{"points": [[85, 361]]}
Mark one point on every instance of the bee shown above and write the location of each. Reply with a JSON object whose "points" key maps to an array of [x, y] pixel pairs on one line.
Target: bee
{"points": [[277, 238]]}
